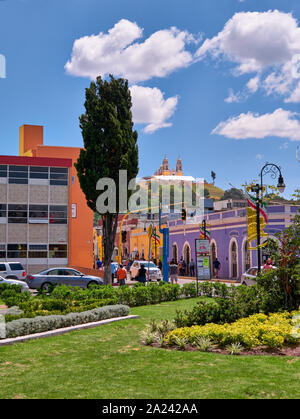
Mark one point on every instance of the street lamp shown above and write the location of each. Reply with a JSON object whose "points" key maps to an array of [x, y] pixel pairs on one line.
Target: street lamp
{"points": [[274, 170]]}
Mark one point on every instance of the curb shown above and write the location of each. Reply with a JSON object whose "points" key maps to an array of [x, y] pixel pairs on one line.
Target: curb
{"points": [[57, 332]]}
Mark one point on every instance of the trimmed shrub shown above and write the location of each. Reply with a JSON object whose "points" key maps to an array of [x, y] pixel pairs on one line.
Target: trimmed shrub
{"points": [[22, 327]]}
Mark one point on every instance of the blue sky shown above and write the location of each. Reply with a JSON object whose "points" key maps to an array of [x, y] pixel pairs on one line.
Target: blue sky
{"points": [[220, 91]]}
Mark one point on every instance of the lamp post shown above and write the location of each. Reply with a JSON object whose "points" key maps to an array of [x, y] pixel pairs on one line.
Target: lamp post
{"points": [[274, 170]]}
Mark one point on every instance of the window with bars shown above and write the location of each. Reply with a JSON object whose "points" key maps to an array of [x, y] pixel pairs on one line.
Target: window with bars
{"points": [[39, 212], [17, 213], [18, 174], [36, 172], [15, 251], [38, 251], [58, 214], [3, 170], [58, 176], [3, 210], [58, 251]]}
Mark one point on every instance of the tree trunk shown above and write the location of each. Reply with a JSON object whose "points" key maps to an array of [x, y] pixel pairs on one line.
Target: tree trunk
{"points": [[110, 223]]}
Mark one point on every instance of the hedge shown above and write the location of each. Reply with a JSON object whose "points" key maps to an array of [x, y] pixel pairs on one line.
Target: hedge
{"points": [[28, 326]]}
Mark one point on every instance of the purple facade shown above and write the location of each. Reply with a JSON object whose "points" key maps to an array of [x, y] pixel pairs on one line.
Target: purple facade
{"points": [[229, 238]]}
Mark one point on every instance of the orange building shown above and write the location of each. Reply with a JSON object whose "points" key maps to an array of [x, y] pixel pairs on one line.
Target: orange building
{"points": [[80, 231]]}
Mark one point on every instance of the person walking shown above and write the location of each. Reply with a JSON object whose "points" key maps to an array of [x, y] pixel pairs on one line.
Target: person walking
{"points": [[173, 272], [121, 275], [142, 274], [192, 268], [114, 268], [217, 266], [99, 264]]}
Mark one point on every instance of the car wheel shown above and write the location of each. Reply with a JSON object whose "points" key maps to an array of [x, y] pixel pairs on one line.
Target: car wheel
{"points": [[46, 286], [244, 283], [90, 284]]}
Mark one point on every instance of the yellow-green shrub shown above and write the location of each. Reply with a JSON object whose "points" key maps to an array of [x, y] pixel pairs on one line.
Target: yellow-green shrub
{"points": [[274, 331]]}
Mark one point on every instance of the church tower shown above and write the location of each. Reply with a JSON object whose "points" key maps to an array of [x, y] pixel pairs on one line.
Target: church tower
{"points": [[179, 171], [165, 167]]}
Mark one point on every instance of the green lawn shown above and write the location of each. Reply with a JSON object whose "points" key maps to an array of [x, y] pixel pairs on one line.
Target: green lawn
{"points": [[109, 362]]}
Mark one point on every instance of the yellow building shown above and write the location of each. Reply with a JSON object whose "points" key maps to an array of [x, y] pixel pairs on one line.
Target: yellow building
{"points": [[139, 244]]}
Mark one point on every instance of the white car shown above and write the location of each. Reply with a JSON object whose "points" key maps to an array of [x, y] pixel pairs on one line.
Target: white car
{"points": [[153, 273], [23, 284], [249, 277]]}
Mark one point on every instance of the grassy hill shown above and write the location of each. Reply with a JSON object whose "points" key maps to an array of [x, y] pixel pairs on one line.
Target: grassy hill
{"points": [[214, 192]]}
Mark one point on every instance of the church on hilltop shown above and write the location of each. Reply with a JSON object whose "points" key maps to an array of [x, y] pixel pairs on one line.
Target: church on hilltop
{"points": [[164, 169]]}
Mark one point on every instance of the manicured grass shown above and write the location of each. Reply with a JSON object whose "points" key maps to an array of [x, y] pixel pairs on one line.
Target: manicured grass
{"points": [[109, 362]]}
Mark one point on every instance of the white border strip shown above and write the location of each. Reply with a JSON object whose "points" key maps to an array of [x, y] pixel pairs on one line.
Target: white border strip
{"points": [[57, 332]]}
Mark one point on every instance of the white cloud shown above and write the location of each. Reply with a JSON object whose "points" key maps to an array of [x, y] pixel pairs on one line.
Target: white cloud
{"points": [[253, 84], [295, 95], [280, 123], [150, 107], [259, 156], [284, 146], [119, 53], [259, 42], [233, 97]]}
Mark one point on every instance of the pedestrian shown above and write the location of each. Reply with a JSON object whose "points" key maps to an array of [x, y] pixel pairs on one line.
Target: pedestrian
{"points": [[142, 274], [173, 272], [121, 275], [183, 268], [268, 265], [160, 264], [114, 268], [99, 264], [217, 266], [192, 268]]}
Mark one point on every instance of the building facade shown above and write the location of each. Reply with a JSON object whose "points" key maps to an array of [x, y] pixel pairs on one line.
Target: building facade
{"points": [[228, 238], [44, 218], [34, 202]]}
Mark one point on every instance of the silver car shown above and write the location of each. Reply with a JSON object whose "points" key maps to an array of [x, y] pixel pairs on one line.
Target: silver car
{"points": [[249, 277], [12, 270], [62, 276], [14, 282], [153, 272]]}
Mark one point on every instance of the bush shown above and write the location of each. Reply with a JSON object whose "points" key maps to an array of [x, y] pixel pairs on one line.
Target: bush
{"points": [[39, 324], [274, 331], [189, 290]]}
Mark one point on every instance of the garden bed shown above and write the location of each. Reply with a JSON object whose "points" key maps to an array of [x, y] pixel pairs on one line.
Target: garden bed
{"points": [[293, 351]]}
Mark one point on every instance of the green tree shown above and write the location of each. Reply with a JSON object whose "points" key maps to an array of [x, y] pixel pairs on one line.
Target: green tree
{"points": [[110, 145], [285, 255], [213, 176]]}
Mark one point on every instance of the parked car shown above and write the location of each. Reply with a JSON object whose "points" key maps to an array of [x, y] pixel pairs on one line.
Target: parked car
{"points": [[249, 277], [12, 270], [14, 282], [153, 273], [62, 276]]}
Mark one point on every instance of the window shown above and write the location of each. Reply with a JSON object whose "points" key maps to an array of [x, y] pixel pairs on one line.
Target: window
{"points": [[58, 214], [17, 213], [16, 267], [38, 211], [38, 251], [3, 210], [53, 272], [38, 172], [2, 251], [2, 267], [58, 176], [3, 170], [58, 251], [17, 251], [18, 174]]}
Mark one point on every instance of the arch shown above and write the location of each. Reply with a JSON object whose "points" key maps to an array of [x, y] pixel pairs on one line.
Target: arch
{"points": [[233, 259], [175, 251], [186, 255], [213, 250], [246, 255]]}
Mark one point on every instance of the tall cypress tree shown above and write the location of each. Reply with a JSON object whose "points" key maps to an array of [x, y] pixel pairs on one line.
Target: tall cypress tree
{"points": [[110, 145]]}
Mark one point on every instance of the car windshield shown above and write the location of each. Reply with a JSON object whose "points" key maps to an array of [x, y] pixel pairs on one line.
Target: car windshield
{"points": [[151, 264]]}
